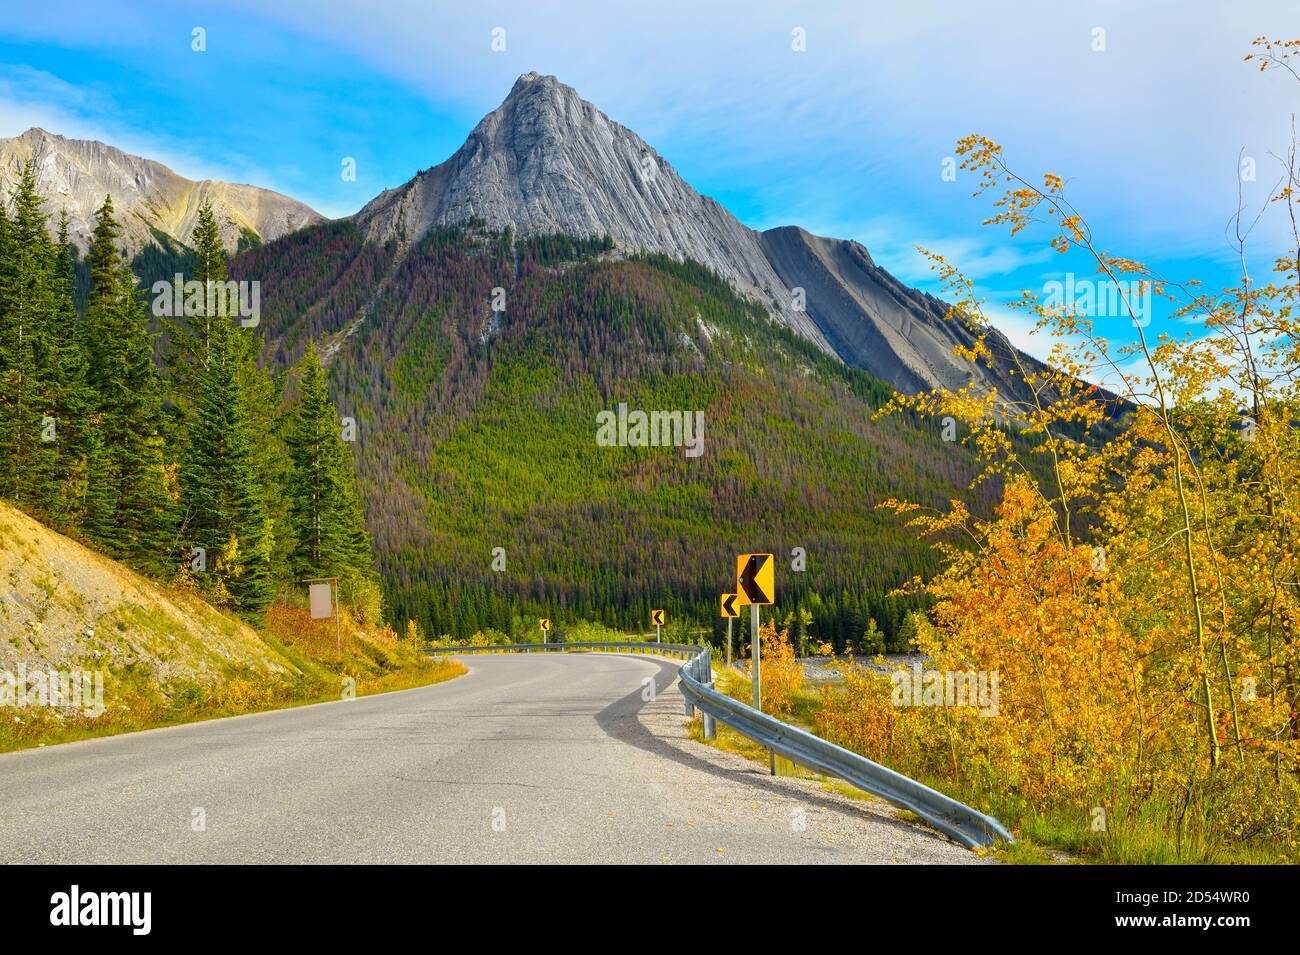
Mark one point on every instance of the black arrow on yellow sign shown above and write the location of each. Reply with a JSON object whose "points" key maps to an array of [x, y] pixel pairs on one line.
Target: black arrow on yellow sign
{"points": [[729, 608], [754, 578]]}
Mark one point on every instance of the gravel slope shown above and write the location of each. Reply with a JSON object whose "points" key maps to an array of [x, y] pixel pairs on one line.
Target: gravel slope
{"points": [[525, 759]]}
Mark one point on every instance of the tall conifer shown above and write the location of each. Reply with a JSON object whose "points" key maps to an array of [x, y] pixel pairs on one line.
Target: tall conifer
{"points": [[325, 513], [27, 439], [227, 517], [128, 411]]}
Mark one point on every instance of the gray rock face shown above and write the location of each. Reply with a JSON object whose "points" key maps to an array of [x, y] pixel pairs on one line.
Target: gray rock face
{"points": [[547, 161], [875, 322], [76, 174]]}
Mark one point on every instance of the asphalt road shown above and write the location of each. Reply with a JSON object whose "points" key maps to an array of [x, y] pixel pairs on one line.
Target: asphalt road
{"points": [[531, 758]]}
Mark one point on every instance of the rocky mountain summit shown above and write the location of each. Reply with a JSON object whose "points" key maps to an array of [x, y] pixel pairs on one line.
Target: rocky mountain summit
{"points": [[150, 199], [546, 161]]}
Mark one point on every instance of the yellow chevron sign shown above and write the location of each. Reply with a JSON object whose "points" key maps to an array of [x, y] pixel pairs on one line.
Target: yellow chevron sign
{"points": [[656, 618], [755, 579]]}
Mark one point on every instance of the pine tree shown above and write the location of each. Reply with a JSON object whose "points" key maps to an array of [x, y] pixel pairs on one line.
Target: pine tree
{"points": [[326, 520], [190, 336], [97, 500], [128, 446], [71, 396], [224, 408], [94, 486], [227, 516], [101, 318], [27, 438], [135, 438], [9, 357]]}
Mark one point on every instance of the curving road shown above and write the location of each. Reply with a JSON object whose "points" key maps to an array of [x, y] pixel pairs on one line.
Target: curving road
{"points": [[530, 758]]}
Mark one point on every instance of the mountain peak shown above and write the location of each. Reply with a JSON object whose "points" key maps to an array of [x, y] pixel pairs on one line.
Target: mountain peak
{"points": [[36, 132], [531, 78], [74, 175], [533, 83], [538, 106], [548, 161]]}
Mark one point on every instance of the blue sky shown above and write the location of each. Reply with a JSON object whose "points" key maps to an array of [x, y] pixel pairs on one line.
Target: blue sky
{"points": [[846, 137]]}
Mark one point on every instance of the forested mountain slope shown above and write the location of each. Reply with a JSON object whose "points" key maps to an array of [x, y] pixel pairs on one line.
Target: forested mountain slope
{"points": [[477, 429]]}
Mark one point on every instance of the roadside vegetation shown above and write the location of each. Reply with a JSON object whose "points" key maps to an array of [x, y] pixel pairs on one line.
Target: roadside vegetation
{"points": [[309, 666], [1137, 589], [929, 744], [194, 493]]}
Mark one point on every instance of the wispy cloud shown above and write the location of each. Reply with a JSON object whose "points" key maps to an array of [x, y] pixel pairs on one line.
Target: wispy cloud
{"points": [[34, 98]]}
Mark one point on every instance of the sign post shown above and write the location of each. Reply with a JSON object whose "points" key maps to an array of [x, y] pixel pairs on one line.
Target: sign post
{"points": [[755, 585], [323, 595], [545, 625], [657, 618], [731, 611]]}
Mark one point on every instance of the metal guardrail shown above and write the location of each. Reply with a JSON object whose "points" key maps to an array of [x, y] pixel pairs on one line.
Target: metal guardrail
{"points": [[959, 822], [679, 651]]}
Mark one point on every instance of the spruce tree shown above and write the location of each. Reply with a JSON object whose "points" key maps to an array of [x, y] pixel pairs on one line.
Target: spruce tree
{"points": [[8, 357], [96, 502], [134, 436], [326, 521], [71, 396], [226, 429], [222, 488], [28, 444], [127, 419], [101, 319], [189, 337]]}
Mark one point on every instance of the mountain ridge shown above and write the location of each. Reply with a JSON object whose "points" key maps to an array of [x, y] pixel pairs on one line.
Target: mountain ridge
{"points": [[546, 161], [530, 165], [150, 198], [870, 317]]}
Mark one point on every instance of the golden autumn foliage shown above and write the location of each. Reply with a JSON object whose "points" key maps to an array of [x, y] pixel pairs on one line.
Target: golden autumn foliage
{"points": [[1137, 590], [782, 674]]}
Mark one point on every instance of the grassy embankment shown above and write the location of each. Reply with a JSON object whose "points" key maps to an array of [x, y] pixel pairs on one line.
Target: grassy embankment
{"points": [[308, 668]]}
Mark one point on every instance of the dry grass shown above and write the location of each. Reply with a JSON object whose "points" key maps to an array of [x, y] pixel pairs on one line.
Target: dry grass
{"points": [[166, 656], [312, 670]]}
